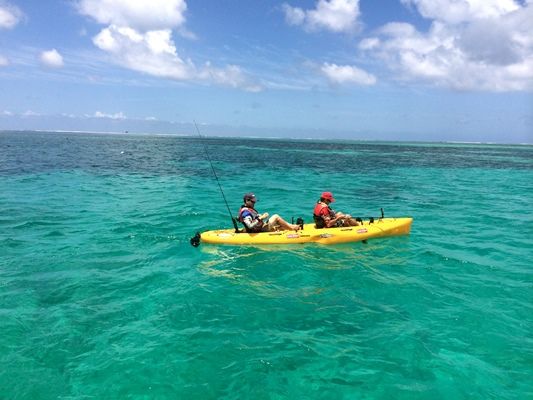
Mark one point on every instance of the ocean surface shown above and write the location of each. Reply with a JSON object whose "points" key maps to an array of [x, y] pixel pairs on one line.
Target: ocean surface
{"points": [[103, 297]]}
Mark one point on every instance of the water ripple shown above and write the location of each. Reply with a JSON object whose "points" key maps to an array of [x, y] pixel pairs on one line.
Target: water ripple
{"points": [[101, 295]]}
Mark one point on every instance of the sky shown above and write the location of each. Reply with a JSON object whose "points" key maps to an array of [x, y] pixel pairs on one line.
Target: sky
{"points": [[411, 70]]}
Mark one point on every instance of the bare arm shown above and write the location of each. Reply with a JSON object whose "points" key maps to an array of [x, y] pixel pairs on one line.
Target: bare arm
{"points": [[331, 221]]}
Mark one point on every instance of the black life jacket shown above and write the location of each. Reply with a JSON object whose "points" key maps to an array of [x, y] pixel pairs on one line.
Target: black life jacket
{"points": [[255, 216], [318, 218]]}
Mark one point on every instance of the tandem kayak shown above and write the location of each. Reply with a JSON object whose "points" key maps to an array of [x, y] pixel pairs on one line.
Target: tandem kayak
{"points": [[382, 227]]}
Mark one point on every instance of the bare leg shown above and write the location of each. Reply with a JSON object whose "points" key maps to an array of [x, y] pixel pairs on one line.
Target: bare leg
{"points": [[351, 222], [275, 221], [347, 219]]}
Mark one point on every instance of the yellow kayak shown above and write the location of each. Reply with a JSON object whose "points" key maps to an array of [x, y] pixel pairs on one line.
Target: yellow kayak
{"points": [[382, 227]]}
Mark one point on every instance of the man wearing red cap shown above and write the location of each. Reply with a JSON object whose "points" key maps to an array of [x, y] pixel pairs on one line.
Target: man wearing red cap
{"points": [[325, 217], [254, 222]]}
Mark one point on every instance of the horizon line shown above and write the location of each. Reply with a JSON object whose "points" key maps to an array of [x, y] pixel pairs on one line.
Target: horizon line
{"points": [[261, 137]]}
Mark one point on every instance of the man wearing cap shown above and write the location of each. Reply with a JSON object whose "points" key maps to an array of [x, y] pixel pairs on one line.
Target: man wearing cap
{"points": [[325, 217], [254, 222]]}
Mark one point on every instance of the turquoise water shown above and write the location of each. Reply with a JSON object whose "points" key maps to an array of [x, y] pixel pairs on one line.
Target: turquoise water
{"points": [[102, 296]]}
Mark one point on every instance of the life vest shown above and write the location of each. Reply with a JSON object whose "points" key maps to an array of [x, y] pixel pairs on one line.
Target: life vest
{"points": [[318, 217], [255, 216]]}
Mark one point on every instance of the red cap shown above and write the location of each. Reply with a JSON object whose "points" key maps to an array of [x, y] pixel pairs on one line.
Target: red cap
{"points": [[327, 196]]}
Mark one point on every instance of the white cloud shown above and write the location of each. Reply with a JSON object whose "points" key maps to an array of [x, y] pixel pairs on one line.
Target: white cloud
{"points": [[154, 53], [139, 37], [490, 49], [10, 15], [7, 113], [457, 11], [340, 74], [293, 15], [141, 15], [30, 113], [232, 76], [369, 43], [119, 115], [333, 15], [4, 62], [52, 59]]}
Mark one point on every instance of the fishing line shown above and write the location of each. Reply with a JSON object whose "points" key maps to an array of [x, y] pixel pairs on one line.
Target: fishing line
{"points": [[216, 178]]}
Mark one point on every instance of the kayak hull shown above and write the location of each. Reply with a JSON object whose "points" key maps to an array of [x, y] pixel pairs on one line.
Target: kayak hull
{"points": [[382, 227]]}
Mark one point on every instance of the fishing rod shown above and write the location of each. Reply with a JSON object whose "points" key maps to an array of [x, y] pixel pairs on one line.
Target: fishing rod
{"points": [[216, 177]]}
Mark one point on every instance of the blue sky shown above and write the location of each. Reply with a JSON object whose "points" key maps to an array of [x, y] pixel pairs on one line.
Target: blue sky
{"points": [[428, 70]]}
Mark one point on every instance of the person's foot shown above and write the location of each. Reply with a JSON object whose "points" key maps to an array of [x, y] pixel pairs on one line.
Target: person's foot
{"points": [[295, 227]]}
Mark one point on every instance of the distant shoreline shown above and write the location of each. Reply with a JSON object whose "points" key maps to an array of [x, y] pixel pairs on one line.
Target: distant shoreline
{"points": [[211, 136]]}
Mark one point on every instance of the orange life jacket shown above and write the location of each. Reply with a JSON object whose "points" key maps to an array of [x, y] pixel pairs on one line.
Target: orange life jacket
{"points": [[320, 222]]}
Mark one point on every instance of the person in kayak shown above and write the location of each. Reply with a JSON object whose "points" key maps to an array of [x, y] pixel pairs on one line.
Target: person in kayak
{"points": [[325, 217], [254, 222]]}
